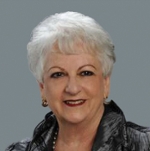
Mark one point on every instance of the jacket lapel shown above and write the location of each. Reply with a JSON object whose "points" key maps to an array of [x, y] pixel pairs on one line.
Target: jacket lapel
{"points": [[111, 133]]}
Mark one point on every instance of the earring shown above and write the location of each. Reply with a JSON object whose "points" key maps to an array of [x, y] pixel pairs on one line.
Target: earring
{"points": [[105, 97], [44, 103]]}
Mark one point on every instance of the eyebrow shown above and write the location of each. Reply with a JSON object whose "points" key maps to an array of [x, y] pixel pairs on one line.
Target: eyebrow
{"points": [[87, 65], [55, 67], [78, 69]]}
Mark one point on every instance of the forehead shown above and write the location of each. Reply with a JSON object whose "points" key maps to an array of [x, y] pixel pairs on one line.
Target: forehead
{"points": [[70, 61]]}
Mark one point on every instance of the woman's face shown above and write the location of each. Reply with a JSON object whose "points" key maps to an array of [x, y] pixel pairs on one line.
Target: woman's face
{"points": [[74, 87]]}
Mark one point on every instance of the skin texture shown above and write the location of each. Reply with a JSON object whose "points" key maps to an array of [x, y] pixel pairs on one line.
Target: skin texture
{"points": [[75, 77]]}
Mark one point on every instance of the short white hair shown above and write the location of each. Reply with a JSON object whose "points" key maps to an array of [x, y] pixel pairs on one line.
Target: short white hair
{"points": [[62, 32]]}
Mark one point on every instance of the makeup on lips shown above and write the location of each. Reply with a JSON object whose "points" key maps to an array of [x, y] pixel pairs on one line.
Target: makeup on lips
{"points": [[74, 103]]}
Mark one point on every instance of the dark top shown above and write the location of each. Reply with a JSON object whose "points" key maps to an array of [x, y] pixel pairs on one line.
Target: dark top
{"points": [[113, 134]]}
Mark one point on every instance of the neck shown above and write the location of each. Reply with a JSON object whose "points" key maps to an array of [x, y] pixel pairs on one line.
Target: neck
{"points": [[79, 135]]}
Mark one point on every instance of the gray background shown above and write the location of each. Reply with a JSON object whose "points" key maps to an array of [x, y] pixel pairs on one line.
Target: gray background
{"points": [[127, 22]]}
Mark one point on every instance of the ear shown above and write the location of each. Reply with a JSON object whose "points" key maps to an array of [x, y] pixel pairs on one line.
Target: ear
{"points": [[106, 86], [41, 87]]}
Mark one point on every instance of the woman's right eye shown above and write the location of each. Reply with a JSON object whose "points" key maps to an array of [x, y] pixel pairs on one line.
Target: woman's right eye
{"points": [[57, 75]]}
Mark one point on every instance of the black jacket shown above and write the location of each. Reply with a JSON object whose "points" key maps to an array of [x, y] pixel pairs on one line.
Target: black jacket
{"points": [[114, 134]]}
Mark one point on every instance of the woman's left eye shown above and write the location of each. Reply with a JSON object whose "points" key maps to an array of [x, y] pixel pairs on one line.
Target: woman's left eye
{"points": [[86, 73]]}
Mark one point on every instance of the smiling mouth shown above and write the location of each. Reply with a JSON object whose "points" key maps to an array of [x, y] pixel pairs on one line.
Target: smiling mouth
{"points": [[74, 103]]}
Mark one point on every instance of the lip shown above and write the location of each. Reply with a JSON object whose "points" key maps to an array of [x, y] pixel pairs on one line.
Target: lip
{"points": [[74, 103]]}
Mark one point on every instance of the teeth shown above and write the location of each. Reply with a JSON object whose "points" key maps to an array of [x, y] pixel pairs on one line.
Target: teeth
{"points": [[75, 102]]}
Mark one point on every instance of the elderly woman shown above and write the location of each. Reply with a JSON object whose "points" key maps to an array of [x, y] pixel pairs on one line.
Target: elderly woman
{"points": [[72, 58]]}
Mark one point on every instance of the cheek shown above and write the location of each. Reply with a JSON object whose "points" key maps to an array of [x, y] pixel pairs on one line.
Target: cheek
{"points": [[54, 89], [52, 96], [95, 86]]}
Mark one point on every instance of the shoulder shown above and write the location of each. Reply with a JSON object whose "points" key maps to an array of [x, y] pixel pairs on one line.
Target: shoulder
{"points": [[138, 137], [19, 146], [38, 134]]}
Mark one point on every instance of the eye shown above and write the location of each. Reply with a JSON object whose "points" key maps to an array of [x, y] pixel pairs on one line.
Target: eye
{"points": [[57, 75], [86, 73]]}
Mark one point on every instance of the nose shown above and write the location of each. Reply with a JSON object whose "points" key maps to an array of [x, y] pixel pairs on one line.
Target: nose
{"points": [[73, 86]]}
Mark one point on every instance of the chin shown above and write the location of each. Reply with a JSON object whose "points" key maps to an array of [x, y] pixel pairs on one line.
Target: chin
{"points": [[74, 119]]}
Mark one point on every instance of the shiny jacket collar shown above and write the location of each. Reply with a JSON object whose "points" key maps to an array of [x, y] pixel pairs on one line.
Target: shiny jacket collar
{"points": [[113, 134]]}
